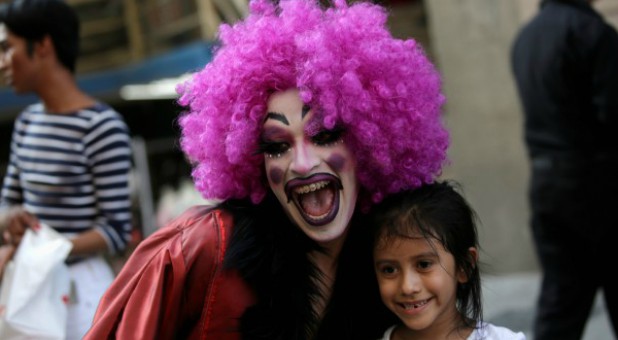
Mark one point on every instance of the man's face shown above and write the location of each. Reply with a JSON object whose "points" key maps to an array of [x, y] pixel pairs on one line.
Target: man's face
{"points": [[309, 169], [16, 66]]}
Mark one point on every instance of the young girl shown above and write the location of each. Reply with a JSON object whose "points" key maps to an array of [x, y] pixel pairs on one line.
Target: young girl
{"points": [[426, 261]]}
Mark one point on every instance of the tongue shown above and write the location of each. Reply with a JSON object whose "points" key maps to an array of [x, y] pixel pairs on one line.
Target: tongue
{"points": [[317, 203]]}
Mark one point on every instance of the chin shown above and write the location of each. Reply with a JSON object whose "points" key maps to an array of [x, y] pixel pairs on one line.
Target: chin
{"points": [[324, 234]]}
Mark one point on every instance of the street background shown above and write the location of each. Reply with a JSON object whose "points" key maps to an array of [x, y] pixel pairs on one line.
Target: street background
{"points": [[509, 301], [134, 52]]}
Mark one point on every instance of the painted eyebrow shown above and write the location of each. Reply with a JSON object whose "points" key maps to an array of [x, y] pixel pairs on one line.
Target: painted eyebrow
{"points": [[306, 109], [277, 116]]}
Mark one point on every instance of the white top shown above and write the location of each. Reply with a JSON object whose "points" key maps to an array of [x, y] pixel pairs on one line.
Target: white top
{"points": [[486, 332]]}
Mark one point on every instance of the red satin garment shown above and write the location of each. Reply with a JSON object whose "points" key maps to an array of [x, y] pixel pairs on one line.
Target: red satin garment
{"points": [[174, 281]]}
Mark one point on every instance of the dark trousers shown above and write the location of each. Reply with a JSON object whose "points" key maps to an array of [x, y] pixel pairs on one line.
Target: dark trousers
{"points": [[574, 224]]}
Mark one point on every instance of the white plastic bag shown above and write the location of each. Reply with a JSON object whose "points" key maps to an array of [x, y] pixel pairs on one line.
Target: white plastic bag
{"points": [[35, 288]]}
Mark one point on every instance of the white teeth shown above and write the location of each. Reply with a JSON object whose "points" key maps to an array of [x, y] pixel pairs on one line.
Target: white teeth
{"points": [[416, 305], [305, 189]]}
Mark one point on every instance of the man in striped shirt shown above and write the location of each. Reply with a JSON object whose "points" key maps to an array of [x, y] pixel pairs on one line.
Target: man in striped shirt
{"points": [[70, 154]]}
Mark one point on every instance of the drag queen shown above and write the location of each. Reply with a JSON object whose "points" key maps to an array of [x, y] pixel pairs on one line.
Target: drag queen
{"points": [[306, 117]]}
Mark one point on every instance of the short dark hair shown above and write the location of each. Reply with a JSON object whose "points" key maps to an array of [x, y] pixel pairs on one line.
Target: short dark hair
{"points": [[34, 19], [436, 211]]}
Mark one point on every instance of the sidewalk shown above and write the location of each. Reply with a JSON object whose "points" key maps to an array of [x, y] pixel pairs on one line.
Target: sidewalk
{"points": [[509, 301]]}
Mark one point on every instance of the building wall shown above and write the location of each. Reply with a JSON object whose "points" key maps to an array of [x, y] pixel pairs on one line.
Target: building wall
{"points": [[471, 41]]}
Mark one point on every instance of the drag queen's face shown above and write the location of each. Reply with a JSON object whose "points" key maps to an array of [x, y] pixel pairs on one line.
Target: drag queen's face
{"points": [[310, 169]]}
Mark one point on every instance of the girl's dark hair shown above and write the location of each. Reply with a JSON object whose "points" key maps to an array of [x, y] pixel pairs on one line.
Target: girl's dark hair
{"points": [[34, 19], [437, 211]]}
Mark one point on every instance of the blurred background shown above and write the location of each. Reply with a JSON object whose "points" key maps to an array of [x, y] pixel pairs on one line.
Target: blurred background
{"points": [[134, 52]]}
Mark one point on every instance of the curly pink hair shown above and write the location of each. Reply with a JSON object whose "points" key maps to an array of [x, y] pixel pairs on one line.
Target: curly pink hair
{"points": [[383, 91]]}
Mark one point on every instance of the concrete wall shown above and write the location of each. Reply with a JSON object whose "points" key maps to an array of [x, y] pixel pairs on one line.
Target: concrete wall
{"points": [[609, 9], [471, 42]]}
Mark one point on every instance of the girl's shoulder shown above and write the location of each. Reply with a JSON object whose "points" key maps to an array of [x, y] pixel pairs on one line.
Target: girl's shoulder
{"points": [[488, 331]]}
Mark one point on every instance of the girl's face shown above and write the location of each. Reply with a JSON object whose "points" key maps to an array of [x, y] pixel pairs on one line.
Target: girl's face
{"points": [[418, 281], [309, 169]]}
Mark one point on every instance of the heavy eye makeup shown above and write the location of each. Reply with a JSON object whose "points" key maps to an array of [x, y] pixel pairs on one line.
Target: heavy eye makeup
{"points": [[273, 143], [272, 149], [328, 137], [274, 146]]}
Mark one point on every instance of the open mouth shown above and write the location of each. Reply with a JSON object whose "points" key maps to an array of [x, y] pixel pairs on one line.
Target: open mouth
{"points": [[316, 197]]}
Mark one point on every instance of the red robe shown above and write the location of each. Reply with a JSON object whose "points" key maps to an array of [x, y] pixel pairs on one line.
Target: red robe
{"points": [[174, 283]]}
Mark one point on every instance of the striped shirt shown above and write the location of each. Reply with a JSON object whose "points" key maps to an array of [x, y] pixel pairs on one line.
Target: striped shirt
{"points": [[72, 171]]}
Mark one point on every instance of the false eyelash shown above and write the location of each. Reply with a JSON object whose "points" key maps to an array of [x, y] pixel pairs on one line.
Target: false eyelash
{"points": [[261, 148], [334, 135], [266, 148]]}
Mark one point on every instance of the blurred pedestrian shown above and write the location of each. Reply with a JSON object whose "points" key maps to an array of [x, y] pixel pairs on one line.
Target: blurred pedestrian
{"points": [[425, 254], [565, 62], [70, 154]]}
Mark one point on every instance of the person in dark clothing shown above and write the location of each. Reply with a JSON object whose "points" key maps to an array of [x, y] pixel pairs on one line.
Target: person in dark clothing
{"points": [[565, 63]]}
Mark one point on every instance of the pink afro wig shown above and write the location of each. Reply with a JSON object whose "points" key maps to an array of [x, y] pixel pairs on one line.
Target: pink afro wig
{"points": [[383, 91]]}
